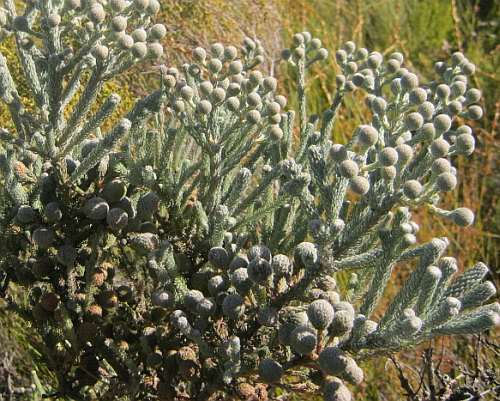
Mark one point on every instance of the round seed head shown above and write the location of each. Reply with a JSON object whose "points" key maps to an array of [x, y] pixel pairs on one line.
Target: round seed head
{"points": [[119, 23], [389, 173], [412, 189], [393, 65], [439, 148], [155, 50], [43, 237], [139, 50], [162, 299], [378, 105], [259, 251], [303, 340], [273, 108], [446, 182], [374, 60], [157, 32], [187, 92], [281, 266], [353, 373], [457, 89], [341, 56], [413, 121], [204, 107], [288, 324], [281, 100], [468, 68], [235, 67], [473, 95], [216, 284], [397, 56], [114, 191], [270, 84], [241, 281], [199, 54], [405, 153], [206, 307], [333, 361], [351, 67], [426, 109], [409, 81], [275, 133], [260, 271], [230, 53], [465, 144], [359, 185], [428, 132], [338, 153], [233, 89], [367, 135], [298, 39], [217, 50], [125, 41], [53, 212], [214, 65], [462, 217], [233, 306], [96, 208], [118, 5], [147, 205], [361, 54], [349, 47], [218, 257], [315, 43], [153, 7], [206, 88], [454, 107], [440, 165], [253, 100], [117, 219], [218, 95], [253, 117], [474, 112], [343, 320], [53, 20], [322, 54], [335, 390], [248, 43], [348, 169], [443, 91], [192, 298], [388, 156], [418, 96], [141, 5], [442, 123], [97, 13], [358, 79], [396, 86], [305, 255], [270, 371], [100, 52], [233, 104], [26, 214], [320, 314]]}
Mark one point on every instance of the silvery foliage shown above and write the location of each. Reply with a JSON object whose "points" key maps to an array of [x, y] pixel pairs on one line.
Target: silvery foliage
{"points": [[191, 251]]}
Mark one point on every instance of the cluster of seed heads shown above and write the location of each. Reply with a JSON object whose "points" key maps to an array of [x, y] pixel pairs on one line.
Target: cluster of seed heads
{"points": [[199, 256]]}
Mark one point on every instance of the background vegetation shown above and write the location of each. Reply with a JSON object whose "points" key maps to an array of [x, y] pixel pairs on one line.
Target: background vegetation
{"points": [[425, 31]]}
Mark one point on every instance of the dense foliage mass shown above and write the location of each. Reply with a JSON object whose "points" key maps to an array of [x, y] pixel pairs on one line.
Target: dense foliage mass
{"points": [[191, 252]]}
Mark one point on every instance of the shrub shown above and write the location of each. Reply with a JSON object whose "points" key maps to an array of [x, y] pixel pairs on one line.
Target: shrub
{"points": [[147, 252]]}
